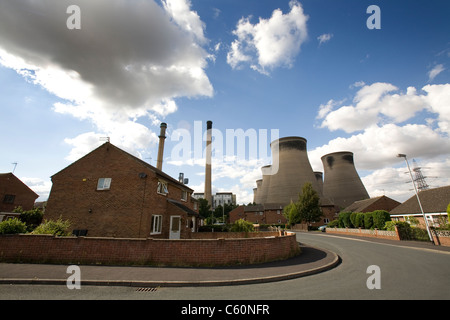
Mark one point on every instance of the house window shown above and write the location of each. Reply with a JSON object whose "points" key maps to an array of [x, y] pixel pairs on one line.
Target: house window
{"points": [[184, 195], [156, 224], [9, 198], [104, 184], [162, 188]]}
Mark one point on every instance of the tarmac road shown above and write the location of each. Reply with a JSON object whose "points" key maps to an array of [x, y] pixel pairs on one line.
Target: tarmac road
{"points": [[405, 272]]}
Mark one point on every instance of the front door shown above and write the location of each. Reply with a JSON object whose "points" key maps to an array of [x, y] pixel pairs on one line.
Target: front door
{"points": [[175, 227]]}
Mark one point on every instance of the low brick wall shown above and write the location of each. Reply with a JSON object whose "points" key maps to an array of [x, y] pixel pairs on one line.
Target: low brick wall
{"points": [[441, 237], [393, 235], [154, 252]]}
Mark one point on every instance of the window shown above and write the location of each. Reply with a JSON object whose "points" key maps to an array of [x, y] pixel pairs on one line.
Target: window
{"points": [[9, 198], [162, 188], [184, 195], [104, 184], [156, 224]]}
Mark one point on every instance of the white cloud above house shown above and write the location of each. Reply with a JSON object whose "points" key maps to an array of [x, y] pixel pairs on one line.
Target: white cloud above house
{"points": [[113, 71]]}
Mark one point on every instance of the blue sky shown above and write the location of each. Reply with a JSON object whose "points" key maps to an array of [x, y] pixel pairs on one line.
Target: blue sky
{"points": [[304, 68]]}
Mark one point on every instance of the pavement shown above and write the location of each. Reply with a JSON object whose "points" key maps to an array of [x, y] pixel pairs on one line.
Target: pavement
{"points": [[311, 261]]}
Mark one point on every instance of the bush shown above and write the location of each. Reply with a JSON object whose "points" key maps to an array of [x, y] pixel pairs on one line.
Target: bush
{"points": [[333, 224], [368, 220], [56, 228], [242, 226], [359, 220], [12, 226], [32, 218], [344, 220], [404, 229], [380, 217]]}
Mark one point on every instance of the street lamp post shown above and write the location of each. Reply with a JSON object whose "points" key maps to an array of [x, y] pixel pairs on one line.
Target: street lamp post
{"points": [[400, 155]]}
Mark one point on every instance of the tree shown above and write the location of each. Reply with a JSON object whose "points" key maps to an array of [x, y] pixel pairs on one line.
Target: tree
{"points": [[204, 208], [308, 204], [291, 213], [32, 218]]}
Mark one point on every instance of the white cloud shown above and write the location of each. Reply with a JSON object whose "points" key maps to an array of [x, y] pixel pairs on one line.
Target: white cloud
{"points": [[180, 11], [324, 38], [270, 43], [435, 71], [128, 61], [374, 103], [377, 143]]}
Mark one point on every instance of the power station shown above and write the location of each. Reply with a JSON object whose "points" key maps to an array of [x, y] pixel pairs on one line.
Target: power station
{"points": [[281, 183]]}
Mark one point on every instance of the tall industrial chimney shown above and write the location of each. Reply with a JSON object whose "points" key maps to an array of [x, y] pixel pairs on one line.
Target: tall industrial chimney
{"points": [[342, 184], [208, 192], [162, 137], [290, 157]]}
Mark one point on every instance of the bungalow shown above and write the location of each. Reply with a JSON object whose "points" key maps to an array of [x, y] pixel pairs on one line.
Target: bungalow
{"points": [[14, 193], [434, 203], [372, 204], [111, 193]]}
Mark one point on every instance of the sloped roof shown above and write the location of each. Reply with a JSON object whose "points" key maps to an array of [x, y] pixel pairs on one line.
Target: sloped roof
{"points": [[361, 205], [131, 157], [189, 211], [6, 177], [432, 200]]}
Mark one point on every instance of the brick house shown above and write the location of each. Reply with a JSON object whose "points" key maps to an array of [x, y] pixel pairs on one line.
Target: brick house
{"points": [[111, 193], [259, 214], [14, 193], [372, 204], [434, 204]]}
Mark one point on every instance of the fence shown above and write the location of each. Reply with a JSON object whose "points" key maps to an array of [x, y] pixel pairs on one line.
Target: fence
{"points": [[374, 233]]}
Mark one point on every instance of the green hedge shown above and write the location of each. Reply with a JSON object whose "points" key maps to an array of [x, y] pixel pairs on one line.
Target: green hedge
{"points": [[367, 220]]}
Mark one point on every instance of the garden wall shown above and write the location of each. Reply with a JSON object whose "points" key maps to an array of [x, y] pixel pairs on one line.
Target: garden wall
{"points": [[155, 252], [374, 233], [441, 237]]}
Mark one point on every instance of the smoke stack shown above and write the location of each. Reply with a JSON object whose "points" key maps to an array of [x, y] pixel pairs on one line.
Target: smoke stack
{"points": [[342, 184], [208, 193], [294, 170], [162, 137]]}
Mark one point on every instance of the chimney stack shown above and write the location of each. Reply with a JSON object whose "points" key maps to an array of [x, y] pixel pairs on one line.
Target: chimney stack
{"points": [[162, 137], [208, 193]]}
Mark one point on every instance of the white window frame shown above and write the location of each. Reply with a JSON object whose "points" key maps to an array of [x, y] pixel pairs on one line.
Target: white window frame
{"points": [[104, 184], [162, 187], [156, 224], [184, 195]]}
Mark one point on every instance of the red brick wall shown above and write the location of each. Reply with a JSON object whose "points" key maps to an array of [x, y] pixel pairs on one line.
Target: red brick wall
{"points": [[81, 250]]}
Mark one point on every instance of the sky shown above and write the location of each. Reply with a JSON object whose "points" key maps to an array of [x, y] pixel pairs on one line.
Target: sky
{"points": [[341, 74]]}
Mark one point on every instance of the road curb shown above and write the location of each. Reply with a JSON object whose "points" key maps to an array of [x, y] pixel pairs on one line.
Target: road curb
{"points": [[331, 260]]}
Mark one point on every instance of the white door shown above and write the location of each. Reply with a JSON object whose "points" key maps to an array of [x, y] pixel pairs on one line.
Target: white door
{"points": [[175, 227]]}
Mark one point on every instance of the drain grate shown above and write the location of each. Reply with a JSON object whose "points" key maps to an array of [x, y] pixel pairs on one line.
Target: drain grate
{"points": [[146, 289]]}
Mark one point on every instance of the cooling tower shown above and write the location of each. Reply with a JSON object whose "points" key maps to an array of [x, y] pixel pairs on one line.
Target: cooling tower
{"points": [[319, 179], [257, 191], [264, 189], [342, 184], [292, 170]]}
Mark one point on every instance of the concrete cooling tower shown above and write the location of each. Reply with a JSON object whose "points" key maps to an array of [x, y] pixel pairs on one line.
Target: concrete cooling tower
{"points": [[291, 170], [342, 184]]}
